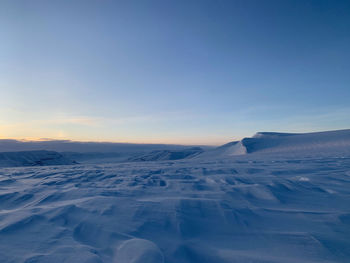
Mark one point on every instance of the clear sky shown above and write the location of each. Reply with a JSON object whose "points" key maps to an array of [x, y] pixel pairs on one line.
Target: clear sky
{"points": [[192, 72]]}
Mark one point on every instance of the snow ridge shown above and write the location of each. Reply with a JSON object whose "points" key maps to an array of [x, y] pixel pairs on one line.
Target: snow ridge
{"points": [[273, 142], [267, 142]]}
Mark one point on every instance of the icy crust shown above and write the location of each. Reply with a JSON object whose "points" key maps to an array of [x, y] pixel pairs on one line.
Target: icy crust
{"points": [[251, 208], [33, 158]]}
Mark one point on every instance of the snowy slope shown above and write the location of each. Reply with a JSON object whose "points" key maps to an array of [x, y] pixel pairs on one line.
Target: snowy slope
{"points": [[310, 142], [226, 150], [33, 158], [271, 142]]}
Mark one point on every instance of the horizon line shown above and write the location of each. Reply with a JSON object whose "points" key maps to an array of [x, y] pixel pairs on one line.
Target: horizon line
{"points": [[42, 139]]}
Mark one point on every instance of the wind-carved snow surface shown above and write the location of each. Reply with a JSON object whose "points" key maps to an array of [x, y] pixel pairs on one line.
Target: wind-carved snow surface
{"points": [[258, 207]]}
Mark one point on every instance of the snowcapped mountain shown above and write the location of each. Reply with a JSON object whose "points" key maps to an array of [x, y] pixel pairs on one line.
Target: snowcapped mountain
{"points": [[261, 142], [33, 158], [96, 152], [266, 142], [168, 155], [85, 147], [273, 142]]}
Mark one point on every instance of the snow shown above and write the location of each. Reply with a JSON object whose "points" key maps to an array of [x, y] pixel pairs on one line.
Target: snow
{"points": [[168, 155], [272, 142], [33, 158], [310, 142], [138, 251], [100, 152], [267, 205], [85, 147]]}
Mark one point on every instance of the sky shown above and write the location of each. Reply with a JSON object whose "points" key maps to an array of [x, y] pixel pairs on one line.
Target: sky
{"points": [[172, 71]]}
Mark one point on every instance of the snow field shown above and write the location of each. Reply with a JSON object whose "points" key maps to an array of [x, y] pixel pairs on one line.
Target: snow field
{"points": [[252, 208]]}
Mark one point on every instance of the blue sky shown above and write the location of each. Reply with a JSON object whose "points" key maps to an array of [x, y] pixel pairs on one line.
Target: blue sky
{"points": [[192, 72]]}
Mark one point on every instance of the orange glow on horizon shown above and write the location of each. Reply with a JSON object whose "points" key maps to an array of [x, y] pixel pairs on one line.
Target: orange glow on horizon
{"points": [[184, 141]]}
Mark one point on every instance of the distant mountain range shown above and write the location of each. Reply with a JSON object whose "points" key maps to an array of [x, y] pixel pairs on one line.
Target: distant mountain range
{"points": [[33, 158], [33, 153]]}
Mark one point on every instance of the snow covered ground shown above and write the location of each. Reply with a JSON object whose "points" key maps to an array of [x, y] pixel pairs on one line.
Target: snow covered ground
{"points": [[265, 206]]}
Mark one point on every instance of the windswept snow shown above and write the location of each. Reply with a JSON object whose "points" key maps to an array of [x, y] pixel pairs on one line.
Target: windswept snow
{"points": [[273, 142], [334, 141], [255, 208]]}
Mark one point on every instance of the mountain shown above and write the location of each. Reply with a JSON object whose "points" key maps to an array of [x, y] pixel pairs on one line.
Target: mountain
{"points": [[33, 158], [7, 145], [63, 152], [168, 155], [273, 142], [103, 152]]}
